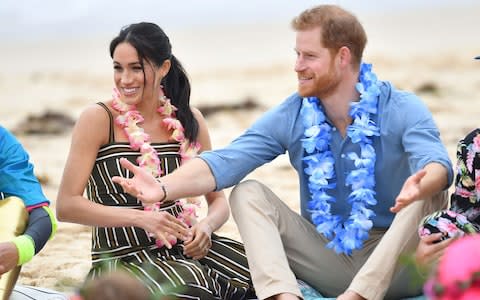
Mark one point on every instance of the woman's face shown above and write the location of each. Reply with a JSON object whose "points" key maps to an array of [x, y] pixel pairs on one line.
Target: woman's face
{"points": [[134, 81]]}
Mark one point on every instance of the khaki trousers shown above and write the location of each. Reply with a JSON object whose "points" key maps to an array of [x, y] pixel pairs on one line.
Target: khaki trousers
{"points": [[13, 221], [282, 246]]}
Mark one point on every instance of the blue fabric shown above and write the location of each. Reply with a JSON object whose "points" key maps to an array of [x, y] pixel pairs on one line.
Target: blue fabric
{"points": [[16, 172], [409, 139], [310, 293]]}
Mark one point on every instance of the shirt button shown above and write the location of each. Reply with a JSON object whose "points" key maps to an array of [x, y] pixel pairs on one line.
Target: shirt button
{"points": [[342, 156], [334, 129]]}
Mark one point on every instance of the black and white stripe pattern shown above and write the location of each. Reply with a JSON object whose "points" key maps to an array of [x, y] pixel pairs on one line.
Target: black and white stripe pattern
{"points": [[222, 274]]}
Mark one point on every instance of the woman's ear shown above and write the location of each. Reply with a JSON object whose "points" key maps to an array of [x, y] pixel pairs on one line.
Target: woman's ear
{"points": [[165, 68]]}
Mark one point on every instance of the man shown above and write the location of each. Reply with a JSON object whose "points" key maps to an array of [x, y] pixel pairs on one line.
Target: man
{"points": [[359, 147], [26, 221]]}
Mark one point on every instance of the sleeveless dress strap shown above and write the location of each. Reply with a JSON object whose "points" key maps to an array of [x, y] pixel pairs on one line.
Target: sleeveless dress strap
{"points": [[111, 134]]}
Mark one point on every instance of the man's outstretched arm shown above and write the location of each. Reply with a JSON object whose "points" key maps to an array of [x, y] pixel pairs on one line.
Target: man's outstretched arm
{"points": [[194, 178]]}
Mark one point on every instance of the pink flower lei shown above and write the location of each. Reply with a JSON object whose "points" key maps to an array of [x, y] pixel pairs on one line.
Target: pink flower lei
{"points": [[139, 140]]}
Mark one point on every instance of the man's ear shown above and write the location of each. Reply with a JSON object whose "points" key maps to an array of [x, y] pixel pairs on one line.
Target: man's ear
{"points": [[345, 56]]}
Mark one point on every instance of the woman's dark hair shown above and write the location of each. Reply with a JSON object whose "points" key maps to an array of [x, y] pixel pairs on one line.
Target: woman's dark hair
{"points": [[153, 45]]}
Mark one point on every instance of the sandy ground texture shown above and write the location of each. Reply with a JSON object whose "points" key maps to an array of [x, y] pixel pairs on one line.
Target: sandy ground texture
{"points": [[428, 52]]}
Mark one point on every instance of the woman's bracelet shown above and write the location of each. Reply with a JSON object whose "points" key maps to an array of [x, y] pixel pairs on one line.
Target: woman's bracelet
{"points": [[164, 189]]}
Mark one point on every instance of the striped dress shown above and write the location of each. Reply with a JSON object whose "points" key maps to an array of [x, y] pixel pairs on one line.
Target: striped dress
{"points": [[222, 274]]}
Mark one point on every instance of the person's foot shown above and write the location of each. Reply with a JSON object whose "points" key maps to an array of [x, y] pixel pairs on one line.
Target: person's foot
{"points": [[350, 295], [284, 296]]}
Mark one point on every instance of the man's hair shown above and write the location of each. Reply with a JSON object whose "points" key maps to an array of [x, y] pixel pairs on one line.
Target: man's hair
{"points": [[338, 28]]}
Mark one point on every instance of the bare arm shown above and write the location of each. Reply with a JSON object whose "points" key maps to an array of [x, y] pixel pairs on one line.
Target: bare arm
{"points": [[73, 207], [218, 210], [194, 178], [434, 181], [425, 183], [198, 175]]}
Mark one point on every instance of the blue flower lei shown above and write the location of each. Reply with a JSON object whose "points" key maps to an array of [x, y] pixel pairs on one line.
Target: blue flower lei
{"points": [[350, 234]]}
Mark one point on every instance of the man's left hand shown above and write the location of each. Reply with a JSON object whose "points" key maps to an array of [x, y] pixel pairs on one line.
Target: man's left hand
{"points": [[410, 191]]}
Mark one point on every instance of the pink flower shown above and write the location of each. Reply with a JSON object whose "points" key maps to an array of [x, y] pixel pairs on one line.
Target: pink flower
{"points": [[469, 161], [133, 117], [129, 119], [137, 139], [167, 109], [459, 191], [476, 143], [459, 264], [189, 150], [172, 123], [119, 105], [423, 231], [451, 213], [189, 210], [445, 225], [477, 181], [177, 135]]}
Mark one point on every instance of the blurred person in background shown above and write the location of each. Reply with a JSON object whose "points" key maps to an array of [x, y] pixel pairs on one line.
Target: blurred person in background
{"points": [[26, 221]]}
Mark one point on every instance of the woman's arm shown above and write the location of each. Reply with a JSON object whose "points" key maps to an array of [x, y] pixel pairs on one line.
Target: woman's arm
{"points": [[218, 210], [89, 133]]}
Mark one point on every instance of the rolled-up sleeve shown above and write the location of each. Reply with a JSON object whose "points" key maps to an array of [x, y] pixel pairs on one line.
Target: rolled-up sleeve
{"points": [[260, 144], [421, 138]]}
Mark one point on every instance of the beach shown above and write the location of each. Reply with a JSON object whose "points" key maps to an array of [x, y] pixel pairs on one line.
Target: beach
{"points": [[429, 52]]}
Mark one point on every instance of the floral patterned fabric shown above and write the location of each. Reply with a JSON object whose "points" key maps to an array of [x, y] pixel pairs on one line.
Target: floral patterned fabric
{"points": [[448, 222], [464, 214], [466, 199]]}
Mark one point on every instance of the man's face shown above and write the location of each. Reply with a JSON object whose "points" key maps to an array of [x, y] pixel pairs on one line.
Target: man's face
{"points": [[316, 70]]}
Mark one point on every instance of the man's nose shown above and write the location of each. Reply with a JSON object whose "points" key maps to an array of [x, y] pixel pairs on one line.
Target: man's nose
{"points": [[299, 64]]}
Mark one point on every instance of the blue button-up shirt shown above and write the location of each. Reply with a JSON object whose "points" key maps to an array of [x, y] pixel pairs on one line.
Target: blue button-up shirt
{"points": [[409, 140], [16, 172]]}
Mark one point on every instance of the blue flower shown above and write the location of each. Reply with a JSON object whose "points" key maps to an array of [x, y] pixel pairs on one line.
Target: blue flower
{"points": [[362, 128], [364, 195], [326, 224], [345, 236], [319, 204], [322, 197], [366, 158], [360, 178], [309, 144], [320, 163], [311, 114]]}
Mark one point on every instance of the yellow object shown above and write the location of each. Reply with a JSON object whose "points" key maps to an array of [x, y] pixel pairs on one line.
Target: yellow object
{"points": [[13, 221], [53, 220], [26, 248]]}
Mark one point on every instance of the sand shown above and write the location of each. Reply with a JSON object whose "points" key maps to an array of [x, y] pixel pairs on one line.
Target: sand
{"points": [[428, 52]]}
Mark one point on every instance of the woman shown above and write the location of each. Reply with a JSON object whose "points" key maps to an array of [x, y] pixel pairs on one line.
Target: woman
{"points": [[463, 217], [148, 121]]}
